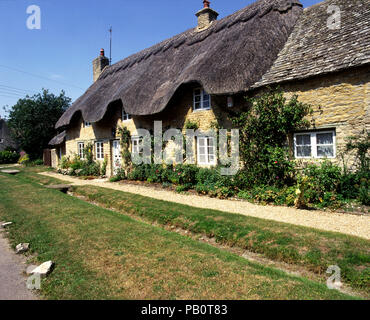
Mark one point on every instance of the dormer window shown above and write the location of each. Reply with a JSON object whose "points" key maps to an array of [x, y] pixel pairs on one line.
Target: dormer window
{"points": [[125, 116], [201, 100], [87, 124]]}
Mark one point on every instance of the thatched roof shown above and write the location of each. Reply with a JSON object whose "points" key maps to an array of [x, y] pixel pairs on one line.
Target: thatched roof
{"points": [[228, 57], [314, 49], [59, 139]]}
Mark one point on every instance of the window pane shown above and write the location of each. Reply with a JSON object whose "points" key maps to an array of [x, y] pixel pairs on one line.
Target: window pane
{"points": [[206, 104], [210, 141], [211, 158], [197, 92], [202, 150], [323, 152], [202, 158], [303, 139], [201, 141], [324, 138], [304, 151]]}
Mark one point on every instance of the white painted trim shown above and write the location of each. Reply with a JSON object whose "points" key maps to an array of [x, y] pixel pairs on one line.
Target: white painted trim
{"points": [[202, 91], [314, 144], [206, 163]]}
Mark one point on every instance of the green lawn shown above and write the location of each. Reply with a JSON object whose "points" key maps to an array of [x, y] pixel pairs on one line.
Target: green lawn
{"points": [[312, 249], [102, 254]]}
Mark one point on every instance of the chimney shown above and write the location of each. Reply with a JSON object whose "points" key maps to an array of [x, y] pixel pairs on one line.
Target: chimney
{"points": [[206, 16], [99, 64]]}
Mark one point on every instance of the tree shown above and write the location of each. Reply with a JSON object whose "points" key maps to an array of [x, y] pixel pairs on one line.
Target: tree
{"points": [[32, 120], [264, 128]]}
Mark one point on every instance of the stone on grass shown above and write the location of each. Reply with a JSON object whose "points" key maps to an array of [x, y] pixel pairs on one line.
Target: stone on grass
{"points": [[13, 172], [44, 269], [22, 247], [6, 224], [30, 269]]}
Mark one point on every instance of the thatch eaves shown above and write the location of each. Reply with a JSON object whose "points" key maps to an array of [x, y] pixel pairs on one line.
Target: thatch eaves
{"points": [[58, 139], [314, 49], [228, 57]]}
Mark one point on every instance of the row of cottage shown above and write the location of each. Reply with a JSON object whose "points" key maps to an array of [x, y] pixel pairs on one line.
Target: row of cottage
{"points": [[321, 53]]}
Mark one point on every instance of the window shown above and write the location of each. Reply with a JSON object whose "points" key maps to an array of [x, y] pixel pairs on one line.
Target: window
{"points": [[202, 100], [87, 124], [314, 144], [125, 116], [137, 146], [99, 150], [206, 151], [80, 149]]}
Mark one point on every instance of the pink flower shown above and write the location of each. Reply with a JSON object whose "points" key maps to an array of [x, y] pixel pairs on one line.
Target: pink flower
{"points": [[275, 161]]}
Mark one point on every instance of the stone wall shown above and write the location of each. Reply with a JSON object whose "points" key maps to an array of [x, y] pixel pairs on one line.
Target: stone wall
{"points": [[340, 101]]}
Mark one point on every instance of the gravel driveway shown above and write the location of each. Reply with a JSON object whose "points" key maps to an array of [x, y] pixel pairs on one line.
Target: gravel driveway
{"points": [[330, 221]]}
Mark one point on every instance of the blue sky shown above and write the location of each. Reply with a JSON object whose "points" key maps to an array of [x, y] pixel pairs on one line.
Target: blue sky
{"points": [[59, 55]]}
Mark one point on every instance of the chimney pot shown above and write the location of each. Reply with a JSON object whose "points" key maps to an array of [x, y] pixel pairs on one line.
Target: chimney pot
{"points": [[99, 64], [206, 16]]}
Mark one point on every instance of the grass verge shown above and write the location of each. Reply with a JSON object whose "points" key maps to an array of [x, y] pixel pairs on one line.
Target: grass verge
{"points": [[101, 254]]}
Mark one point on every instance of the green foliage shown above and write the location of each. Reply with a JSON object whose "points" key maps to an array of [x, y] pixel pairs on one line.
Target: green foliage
{"points": [[361, 145], [125, 146], [32, 120], [263, 136], [191, 125], [104, 166], [8, 157]]}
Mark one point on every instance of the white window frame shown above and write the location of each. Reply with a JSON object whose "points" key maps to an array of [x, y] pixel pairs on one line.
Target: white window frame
{"points": [[207, 162], [136, 146], [126, 116], [87, 124], [314, 145], [202, 94], [80, 150], [99, 150]]}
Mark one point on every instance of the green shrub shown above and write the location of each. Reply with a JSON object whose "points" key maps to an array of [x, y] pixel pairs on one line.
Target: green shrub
{"points": [[364, 195], [24, 158], [8, 157]]}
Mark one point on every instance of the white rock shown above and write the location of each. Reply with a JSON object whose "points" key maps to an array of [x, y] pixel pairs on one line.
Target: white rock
{"points": [[6, 224], [44, 269], [30, 269], [22, 247]]}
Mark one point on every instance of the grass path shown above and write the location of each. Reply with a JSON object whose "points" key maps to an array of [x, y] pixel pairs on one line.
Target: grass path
{"points": [[337, 222], [101, 254]]}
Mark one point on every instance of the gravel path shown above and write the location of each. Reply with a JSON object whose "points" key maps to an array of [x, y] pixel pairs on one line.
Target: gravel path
{"points": [[330, 221], [12, 281]]}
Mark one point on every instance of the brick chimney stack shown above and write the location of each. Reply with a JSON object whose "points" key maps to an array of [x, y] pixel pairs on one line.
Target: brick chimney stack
{"points": [[99, 64], [206, 16]]}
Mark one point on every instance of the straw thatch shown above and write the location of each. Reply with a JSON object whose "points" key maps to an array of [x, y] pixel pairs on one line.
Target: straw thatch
{"points": [[59, 139], [228, 57], [314, 49]]}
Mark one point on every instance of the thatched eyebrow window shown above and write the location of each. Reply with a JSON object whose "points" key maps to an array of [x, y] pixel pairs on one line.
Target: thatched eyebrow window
{"points": [[87, 124], [125, 115], [201, 100]]}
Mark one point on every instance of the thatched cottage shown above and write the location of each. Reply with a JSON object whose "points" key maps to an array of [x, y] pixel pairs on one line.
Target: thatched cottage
{"points": [[319, 53]]}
